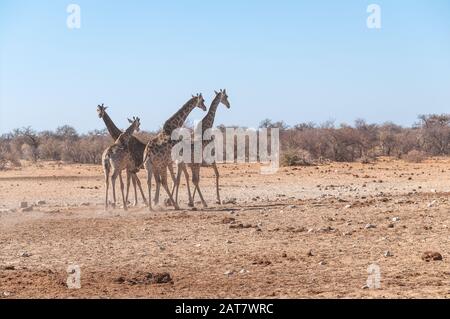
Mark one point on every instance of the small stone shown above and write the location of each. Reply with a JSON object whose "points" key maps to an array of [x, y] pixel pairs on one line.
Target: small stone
{"points": [[396, 219], [228, 273], [370, 226], [229, 241], [243, 271], [310, 253], [41, 202], [391, 225], [26, 209], [349, 233], [322, 263], [431, 256], [347, 206], [229, 201], [25, 254], [228, 220], [365, 287], [326, 229], [387, 253], [433, 203], [6, 294]]}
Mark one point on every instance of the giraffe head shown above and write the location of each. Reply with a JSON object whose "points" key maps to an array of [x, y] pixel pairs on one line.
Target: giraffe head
{"points": [[124, 138], [199, 101], [101, 110], [223, 97], [135, 125]]}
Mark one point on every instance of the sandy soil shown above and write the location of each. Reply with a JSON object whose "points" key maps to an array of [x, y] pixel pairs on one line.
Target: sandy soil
{"points": [[301, 233]]}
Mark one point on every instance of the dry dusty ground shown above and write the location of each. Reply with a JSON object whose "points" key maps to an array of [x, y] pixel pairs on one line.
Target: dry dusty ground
{"points": [[306, 235]]}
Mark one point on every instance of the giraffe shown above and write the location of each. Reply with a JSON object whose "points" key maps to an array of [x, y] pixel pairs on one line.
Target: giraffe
{"points": [[158, 152], [116, 158], [136, 147], [206, 123]]}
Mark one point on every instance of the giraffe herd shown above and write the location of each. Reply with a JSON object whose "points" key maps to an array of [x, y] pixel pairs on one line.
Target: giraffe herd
{"points": [[131, 154]]}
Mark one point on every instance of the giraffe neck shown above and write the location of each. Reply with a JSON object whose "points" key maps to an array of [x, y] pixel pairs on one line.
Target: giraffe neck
{"points": [[177, 120], [208, 121], [113, 130], [130, 130]]}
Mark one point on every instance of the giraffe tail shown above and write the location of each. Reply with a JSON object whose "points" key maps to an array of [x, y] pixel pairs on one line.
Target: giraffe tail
{"points": [[106, 163], [145, 158]]}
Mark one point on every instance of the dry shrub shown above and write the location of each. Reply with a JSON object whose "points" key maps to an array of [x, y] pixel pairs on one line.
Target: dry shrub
{"points": [[8, 159], [415, 156], [29, 152], [50, 149], [296, 157]]}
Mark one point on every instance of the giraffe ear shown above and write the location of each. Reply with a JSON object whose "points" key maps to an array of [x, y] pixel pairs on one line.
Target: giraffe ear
{"points": [[217, 93], [225, 91], [130, 121]]}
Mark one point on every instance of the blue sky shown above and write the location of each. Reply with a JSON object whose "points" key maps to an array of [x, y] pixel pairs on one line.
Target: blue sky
{"points": [[295, 61]]}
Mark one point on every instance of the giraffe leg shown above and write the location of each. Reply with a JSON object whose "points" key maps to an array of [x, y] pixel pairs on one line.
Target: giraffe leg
{"points": [[113, 182], [163, 176], [133, 178], [128, 184], [148, 168], [177, 183], [158, 187], [186, 175], [122, 191], [216, 172], [195, 181], [193, 194], [174, 179], [140, 189], [106, 187], [172, 175]]}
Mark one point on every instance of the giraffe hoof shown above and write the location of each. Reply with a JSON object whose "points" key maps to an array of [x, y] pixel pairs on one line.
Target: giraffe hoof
{"points": [[191, 205], [218, 202], [168, 203]]}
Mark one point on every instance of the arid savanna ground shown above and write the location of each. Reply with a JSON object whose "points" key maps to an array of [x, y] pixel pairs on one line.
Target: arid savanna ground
{"points": [[307, 232]]}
